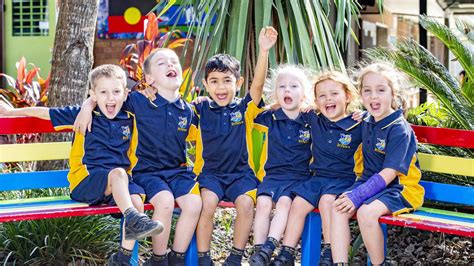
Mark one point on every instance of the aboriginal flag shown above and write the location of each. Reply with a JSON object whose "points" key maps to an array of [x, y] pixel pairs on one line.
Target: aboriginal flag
{"points": [[128, 15]]}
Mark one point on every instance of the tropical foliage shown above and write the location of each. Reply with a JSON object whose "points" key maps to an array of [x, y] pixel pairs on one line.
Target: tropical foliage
{"points": [[306, 35], [27, 89], [455, 98], [79, 240]]}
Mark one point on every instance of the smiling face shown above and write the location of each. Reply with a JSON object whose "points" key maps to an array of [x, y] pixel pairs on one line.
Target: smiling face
{"points": [[109, 93], [163, 70], [377, 95], [331, 99], [289, 92], [222, 86]]}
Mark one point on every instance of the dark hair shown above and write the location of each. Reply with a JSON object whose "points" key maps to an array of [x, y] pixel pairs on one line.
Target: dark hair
{"points": [[222, 63]]}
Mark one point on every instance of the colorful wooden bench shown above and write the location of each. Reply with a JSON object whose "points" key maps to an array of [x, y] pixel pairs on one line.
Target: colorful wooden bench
{"points": [[46, 207], [56, 207], [429, 219]]}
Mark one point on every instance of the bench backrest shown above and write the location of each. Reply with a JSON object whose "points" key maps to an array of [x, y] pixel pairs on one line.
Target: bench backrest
{"points": [[32, 152], [54, 151], [446, 164]]}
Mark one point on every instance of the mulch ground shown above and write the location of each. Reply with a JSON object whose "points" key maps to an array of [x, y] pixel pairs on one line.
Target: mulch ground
{"points": [[405, 247]]}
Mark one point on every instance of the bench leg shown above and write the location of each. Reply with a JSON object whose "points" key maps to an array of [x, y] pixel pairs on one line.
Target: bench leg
{"points": [[191, 253], [311, 240], [384, 231], [134, 260]]}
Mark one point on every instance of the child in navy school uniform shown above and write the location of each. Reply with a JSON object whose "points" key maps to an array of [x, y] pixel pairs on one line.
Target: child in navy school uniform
{"points": [[285, 156], [101, 161], [336, 150], [391, 175], [223, 146], [163, 124]]}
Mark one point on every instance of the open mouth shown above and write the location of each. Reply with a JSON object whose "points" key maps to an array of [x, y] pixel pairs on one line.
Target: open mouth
{"points": [[287, 100], [110, 108], [330, 107], [375, 106], [171, 74], [221, 96]]}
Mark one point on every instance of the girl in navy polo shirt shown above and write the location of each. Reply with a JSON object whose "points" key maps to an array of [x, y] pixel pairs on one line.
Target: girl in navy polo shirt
{"points": [[336, 151], [285, 156], [390, 180]]}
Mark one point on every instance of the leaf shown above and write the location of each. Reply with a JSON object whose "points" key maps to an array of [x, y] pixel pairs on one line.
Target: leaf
{"points": [[21, 69], [152, 27]]}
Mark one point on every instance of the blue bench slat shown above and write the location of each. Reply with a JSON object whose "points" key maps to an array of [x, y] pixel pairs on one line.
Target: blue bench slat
{"points": [[448, 193], [34, 180], [36, 203]]}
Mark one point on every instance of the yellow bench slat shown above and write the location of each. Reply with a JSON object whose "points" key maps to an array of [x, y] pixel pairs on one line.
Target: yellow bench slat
{"points": [[34, 151], [446, 164]]}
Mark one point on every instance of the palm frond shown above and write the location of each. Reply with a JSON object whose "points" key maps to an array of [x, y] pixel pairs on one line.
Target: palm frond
{"points": [[455, 46]]}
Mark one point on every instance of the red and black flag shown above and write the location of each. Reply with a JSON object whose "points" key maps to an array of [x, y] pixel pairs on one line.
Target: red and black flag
{"points": [[128, 15]]}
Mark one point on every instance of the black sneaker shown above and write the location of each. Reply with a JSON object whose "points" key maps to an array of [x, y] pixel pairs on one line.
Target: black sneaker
{"points": [[261, 257], [139, 226], [326, 256], [114, 261], [282, 261], [152, 262]]}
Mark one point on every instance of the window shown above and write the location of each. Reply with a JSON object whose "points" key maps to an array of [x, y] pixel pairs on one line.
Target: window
{"points": [[30, 18]]}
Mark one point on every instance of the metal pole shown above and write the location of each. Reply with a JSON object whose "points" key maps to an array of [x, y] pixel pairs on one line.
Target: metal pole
{"points": [[423, 39]]}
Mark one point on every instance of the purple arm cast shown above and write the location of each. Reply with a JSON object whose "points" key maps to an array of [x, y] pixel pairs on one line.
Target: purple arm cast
{"points": [[372, 186]]}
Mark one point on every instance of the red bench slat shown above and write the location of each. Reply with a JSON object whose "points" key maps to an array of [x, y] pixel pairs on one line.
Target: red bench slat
{"points": [[26, 125], [444, 136]]}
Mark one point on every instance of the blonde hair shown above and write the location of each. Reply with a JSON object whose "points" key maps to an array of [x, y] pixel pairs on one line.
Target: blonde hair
{"points": [[349, 88], [149, 58], [303, 74], [394, 79], [107, 71]]}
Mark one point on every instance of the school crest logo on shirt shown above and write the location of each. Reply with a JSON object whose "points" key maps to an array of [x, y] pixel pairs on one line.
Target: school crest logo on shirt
{"points": [[304, 136], [344, 141], [125, 132], [380, 146], [236, 118], [183, 122]]}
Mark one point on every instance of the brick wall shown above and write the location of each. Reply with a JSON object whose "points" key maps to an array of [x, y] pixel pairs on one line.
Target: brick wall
{"points": [[108, 51]]}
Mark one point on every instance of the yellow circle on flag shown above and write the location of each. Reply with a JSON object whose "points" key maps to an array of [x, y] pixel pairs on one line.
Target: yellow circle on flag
{"points": [[132, 15]]}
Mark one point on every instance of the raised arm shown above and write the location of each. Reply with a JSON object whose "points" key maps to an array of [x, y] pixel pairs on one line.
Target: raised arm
{"points": [[39, 112], [266, 41]]}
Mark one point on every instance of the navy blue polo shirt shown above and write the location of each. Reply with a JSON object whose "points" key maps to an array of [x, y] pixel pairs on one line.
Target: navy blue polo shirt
{"points": [[224, 135], [391, 143], [336, 149], [162, 130], [287, 145], [111, 143]]}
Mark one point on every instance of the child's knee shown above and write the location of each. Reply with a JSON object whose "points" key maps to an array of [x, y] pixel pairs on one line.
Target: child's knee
{"points": [[163, 202], [118, 174], [283, 204], [366, 216], [245, 205], [264, 205], [326, 201], [192, 205]]}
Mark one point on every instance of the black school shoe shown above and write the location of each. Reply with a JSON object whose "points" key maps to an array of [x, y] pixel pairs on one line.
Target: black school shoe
{"points": [[326, 256], [282, 261], [262, 257]]}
